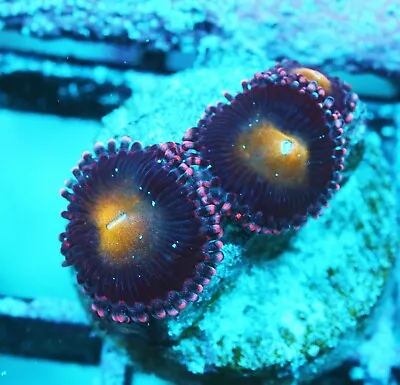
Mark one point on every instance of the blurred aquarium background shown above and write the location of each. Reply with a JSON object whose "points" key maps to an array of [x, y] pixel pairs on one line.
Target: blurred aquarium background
{"points": [[73, 72]]}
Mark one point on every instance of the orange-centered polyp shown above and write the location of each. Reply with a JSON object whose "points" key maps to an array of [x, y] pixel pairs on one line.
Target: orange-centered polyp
{"points": [[313, 75], [122, 226], [278, 157]]}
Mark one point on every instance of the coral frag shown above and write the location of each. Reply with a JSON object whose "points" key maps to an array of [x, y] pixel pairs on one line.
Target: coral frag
{"points": [[144, 223], [145, 226]]}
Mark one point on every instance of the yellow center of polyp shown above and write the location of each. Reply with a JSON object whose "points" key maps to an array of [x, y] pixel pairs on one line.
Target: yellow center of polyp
{"points": [[278, 157], [313, 75], [122, 225]]}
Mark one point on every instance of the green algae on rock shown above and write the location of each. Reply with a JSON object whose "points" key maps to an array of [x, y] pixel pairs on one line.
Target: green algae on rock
{"points": [[282, 314]]}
